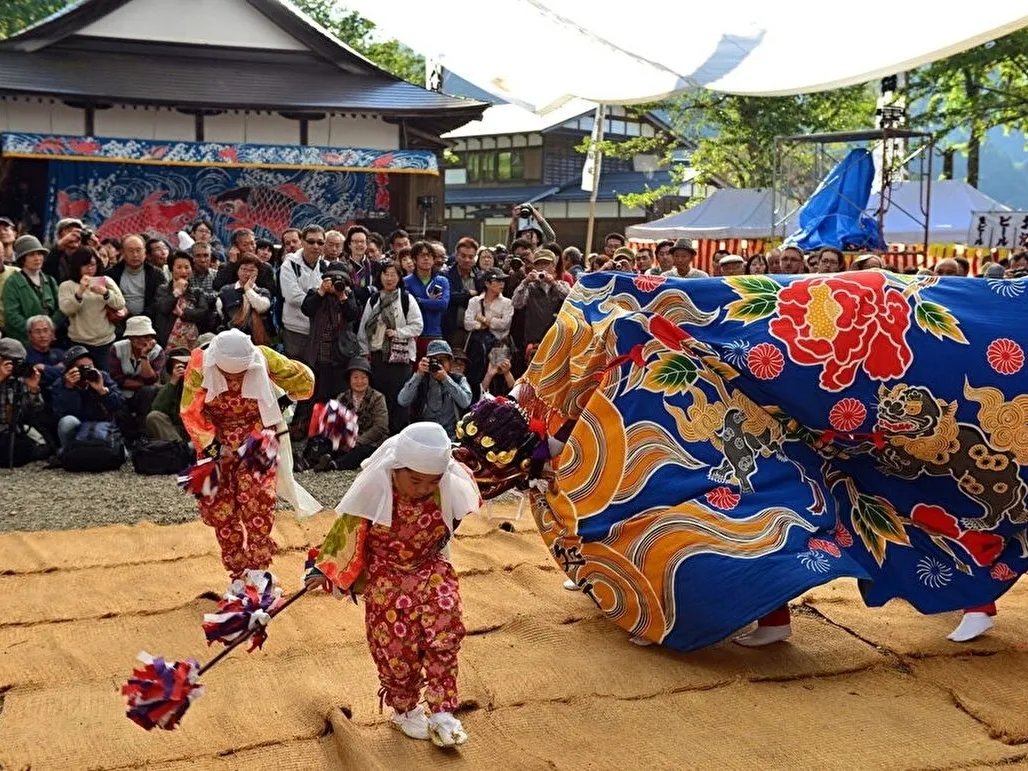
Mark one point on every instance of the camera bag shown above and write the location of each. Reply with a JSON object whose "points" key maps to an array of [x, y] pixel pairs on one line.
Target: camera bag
{"points": [[96, 447], [153, 457]]}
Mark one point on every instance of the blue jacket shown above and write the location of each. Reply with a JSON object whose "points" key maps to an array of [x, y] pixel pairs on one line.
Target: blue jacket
{"points": [[85, 403], [432, 308]]}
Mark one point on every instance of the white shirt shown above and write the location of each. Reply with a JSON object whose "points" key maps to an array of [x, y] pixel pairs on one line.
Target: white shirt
{"points": [[498, 312], [296, 278]]}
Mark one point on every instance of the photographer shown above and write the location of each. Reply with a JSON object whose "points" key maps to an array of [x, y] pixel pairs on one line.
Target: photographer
{"points": [[21, 402], [84, 395], [164, 421], [526, 222], [135, 365], [540, 294], [434, 394], [332, 310]]}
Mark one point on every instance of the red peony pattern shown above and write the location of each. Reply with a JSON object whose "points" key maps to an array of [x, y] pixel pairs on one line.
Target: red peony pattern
{"points": [[1001, 572], [646, 283], [842, 323], [821, 545], [848, 414], [1005, 356], [765, 361], [723, 498]]}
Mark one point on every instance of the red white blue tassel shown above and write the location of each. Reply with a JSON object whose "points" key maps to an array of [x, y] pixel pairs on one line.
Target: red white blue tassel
{"points": [[159, 694], [338, 424], [247, 607], [201, 479]]}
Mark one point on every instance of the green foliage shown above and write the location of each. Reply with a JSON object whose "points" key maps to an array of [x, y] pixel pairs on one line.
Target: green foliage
{"points": [[16, 15], [357, 32]]}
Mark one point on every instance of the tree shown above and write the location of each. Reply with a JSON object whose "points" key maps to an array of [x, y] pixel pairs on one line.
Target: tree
{"points": [[15, 15], [733, 137], [961, 98], [358, 33]]}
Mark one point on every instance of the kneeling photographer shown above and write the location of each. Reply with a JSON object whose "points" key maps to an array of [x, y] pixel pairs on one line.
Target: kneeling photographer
{"points": [[87, 397], [434, 393], [21, 404]]}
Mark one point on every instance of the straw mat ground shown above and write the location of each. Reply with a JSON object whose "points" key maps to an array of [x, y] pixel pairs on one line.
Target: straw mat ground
{"points": [[546, 682]]}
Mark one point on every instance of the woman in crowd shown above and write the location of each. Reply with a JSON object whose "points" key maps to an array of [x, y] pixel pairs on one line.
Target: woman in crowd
{"points": [[406, 262], [29, 292], [372, 420], [485, 260], [230, 392], [110, 252], [757, 264], [393, 527], [388, 328], [243, 304], [181, 311], [90, 300], [487, 320]]}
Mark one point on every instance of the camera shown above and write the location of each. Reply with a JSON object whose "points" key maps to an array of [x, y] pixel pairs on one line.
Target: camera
{"points": [[21, 368], [525, 212], [89, 375], [434, 365], [340, 285], [86, 234]]}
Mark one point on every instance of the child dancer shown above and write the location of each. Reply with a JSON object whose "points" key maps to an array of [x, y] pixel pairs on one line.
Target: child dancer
{"points": [[389, 543], [229, 392]]}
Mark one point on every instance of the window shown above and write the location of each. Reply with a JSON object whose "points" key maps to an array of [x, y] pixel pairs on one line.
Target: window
{"points": [[496, 165]]}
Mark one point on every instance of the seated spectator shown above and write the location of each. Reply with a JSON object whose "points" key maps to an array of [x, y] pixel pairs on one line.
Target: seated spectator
{"points": [[29, 292], [388, 328], [488, 321], [135, 365], [372, 420], [21, 404], [332, 342], [90, 300], [432, 393], [431, 291], [244, 305], [84, 394], [164, 420], [540, 294], [180, 310], [41, 350]]}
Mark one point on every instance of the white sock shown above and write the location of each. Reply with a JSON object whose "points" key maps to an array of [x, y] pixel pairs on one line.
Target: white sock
{"points": [[642, 642], [570, 585], [764, 635], [971, 626]]}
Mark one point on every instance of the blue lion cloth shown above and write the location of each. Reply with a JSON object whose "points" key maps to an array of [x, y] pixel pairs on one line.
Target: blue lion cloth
{"points": [[737, 441], [834, 215]]}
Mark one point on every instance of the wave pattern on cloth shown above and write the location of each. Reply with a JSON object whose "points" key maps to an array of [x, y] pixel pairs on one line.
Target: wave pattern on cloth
{"points": [[740, 440]]}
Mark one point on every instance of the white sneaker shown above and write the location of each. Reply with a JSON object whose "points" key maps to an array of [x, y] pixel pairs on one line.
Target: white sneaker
{"points": [[446, 730], [570, 585], [971, 627], [413, 724], [642, 642], [764, 635]]}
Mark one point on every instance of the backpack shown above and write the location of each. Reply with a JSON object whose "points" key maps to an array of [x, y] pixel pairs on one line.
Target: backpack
{"points": [[95, 447], [152, 457], [404, 301]]}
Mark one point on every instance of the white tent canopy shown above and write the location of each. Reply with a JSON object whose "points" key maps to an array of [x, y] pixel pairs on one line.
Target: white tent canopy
{"points": [[727, 213], [953, 202], [542, 53]]}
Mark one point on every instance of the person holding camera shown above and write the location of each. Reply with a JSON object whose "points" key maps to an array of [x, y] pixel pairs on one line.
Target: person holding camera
{"points": [[84, 395], [21, 404], [432, 293], [526, 222], [540, 294], [332, 310], [71, 236], [164, 420], [90, 300], [135, 365], [433, 393]]}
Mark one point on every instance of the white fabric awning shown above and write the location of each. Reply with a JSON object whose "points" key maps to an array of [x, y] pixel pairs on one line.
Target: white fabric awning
{"points": [[542, 53], [727, 213], [953, 203]]}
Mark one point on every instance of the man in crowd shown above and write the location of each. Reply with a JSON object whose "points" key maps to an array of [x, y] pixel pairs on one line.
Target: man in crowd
{"points": [[947, 267], [135, 365], [612, 242], [84, 394], [8, 234], [137, 279], [682, 255], [292, 241], [244, 242], [376, 246], [644, 261], [21, 404], [157, 255], [540, 295], [203, 276], [334, 245], [300, 273], [431, 291], [463, 278], [732, 265], [398, 239], [435, 394], [830, 260], [663, 256], [792, 262], [69, 239], [41, 351]]}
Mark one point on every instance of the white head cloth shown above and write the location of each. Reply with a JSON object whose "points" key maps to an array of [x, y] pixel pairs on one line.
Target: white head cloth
{"points": [[234, 352], [421, 447]]}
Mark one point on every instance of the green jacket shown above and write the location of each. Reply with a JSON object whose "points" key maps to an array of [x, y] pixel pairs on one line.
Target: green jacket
{"points": [[23, 300], [168, 400]]}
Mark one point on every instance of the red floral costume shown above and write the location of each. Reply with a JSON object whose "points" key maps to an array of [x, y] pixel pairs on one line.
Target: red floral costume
{"points": [[243, 510], [412, 599]]}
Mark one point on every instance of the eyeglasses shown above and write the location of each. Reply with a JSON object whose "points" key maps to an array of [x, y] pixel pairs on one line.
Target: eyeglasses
{"points": [[312, 242]]}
